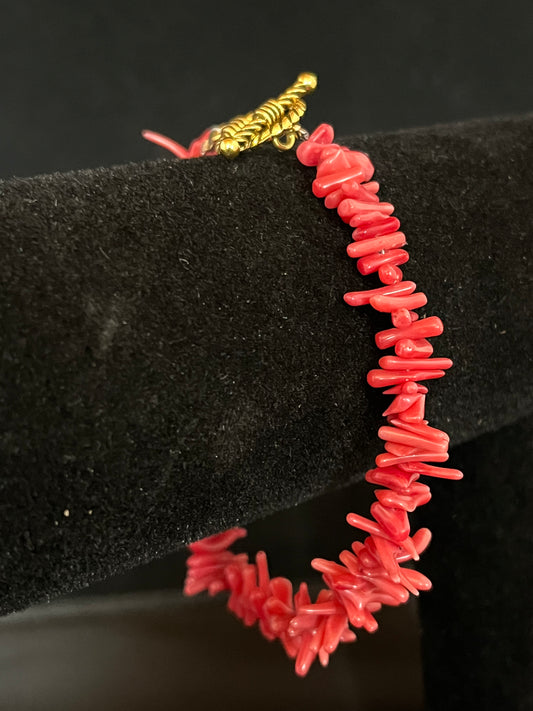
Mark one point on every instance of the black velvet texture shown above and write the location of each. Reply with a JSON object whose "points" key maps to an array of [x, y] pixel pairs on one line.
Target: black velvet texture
{"points": [[177, 356]]}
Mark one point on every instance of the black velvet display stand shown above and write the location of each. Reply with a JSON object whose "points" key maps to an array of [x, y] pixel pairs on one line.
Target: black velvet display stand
{"points": [[177, 359]]}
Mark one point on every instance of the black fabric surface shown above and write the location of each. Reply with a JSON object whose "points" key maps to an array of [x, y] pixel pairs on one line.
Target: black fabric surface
{"points": [[177, 356], [477, 621], [148, 649]]}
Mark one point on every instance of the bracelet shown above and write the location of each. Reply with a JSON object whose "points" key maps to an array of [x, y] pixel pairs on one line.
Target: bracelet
{"points": [[370, 575]]}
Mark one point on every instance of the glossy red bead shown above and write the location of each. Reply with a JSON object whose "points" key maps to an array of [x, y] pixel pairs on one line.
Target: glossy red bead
{"points": [[349, 208], [395, 522], [412, 404], [392, 477], [427, 441], [383, 378], [360, 298], [337, 160], [309, 152], [385, 227], [390, 274], [369, 575], [408, 501], [413, 348], [414, 413], [393, 363], [424, 328], [401, 318], [418, 455], [333, 199], [391, 303], [372, 262], [369, 246], [430, 470]]}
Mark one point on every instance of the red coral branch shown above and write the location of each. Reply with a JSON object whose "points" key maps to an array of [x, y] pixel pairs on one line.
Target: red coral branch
{"points": [[370, 575]]}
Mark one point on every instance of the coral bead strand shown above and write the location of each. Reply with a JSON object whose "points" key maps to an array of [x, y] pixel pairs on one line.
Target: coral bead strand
{"points": [[369, 575]]}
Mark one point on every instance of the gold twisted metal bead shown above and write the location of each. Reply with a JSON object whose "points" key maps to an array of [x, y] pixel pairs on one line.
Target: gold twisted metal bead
{"points": [[275, 120]]}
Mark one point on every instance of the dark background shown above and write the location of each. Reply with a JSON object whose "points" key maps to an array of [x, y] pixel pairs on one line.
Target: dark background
{"points": [[80, 81]]}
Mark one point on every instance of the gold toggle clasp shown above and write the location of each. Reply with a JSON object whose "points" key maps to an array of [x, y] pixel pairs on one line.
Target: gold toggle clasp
{"points": [[276, 120]]}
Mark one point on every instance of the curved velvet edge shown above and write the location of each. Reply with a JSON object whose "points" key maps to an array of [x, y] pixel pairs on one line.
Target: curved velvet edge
{"points": [[178, 358]]}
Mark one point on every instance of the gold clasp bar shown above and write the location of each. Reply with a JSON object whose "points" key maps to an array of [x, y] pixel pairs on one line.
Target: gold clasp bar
{"points": [[276, 120]]}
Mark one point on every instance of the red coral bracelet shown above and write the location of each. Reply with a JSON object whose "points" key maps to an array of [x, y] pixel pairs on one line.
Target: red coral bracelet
{"points": [[370, 575]]}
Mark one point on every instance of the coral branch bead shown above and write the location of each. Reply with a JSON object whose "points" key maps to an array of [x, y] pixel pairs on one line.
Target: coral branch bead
{"points": [[369, 575], [379, 378], [392, 363], [360, 298], [370, 246], [425, 328], [390, 274], [385, 227], [413, 348], [393, 302]]}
